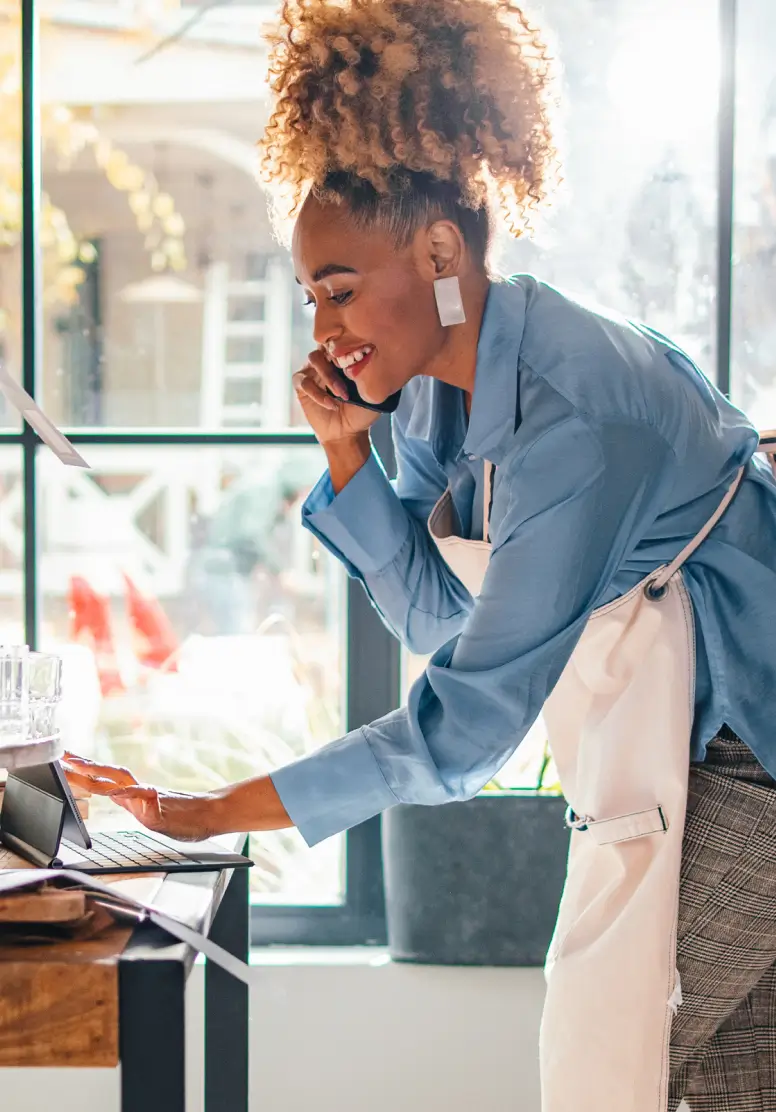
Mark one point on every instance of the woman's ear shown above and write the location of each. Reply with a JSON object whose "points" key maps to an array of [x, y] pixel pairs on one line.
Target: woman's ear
{"points": [[443, 248]]}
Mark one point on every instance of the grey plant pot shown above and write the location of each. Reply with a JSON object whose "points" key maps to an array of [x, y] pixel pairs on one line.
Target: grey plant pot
{"points": [[474, 883]]}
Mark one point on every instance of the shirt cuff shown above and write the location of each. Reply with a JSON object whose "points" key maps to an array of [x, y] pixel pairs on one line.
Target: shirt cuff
{"points": [[333, 789], [365, 524]]}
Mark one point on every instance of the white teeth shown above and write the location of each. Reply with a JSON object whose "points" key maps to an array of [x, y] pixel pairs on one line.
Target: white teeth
{"points": [[346, 361]]}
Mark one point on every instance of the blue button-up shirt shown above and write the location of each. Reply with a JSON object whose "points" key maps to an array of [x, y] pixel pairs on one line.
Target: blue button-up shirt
{"points": [[612, 449]]}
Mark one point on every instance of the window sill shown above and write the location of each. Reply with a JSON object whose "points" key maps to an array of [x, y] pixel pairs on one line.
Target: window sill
{"points": [[319, 955]]}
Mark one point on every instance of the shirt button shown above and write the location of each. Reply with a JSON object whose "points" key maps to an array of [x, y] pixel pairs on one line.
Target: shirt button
{"points": [[472, 459]]}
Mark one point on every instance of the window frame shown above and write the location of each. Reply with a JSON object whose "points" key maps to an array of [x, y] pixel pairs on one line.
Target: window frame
{"points": [[373, 676]]}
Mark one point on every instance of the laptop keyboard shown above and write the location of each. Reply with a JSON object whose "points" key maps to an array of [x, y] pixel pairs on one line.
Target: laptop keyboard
{"points": [[126, 848]]}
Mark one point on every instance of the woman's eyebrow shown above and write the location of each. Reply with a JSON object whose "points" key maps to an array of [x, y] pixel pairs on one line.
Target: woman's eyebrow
{"points": [[327, 271]]}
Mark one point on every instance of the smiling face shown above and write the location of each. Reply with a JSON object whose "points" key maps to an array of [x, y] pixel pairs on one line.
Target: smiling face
{"points": [[375, 312]]}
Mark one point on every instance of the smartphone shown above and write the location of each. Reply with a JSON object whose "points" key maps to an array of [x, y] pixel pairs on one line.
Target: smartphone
{"points": [[354, 398]]}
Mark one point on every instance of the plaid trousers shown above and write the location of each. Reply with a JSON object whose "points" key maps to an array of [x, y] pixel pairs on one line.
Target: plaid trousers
{"points": [[723, 1039]]}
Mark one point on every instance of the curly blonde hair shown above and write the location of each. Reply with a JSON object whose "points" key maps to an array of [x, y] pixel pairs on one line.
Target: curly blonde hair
{"points": [[427, 105]]}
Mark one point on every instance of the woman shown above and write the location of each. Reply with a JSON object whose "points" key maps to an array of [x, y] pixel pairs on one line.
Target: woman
{"points": [[567, 460]]}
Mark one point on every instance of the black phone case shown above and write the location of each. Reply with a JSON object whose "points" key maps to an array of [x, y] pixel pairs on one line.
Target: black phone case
{"points": [[354, 398]]}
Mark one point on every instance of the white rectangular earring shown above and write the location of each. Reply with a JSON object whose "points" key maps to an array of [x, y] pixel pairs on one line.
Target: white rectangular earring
{"points": [[447, 292]]}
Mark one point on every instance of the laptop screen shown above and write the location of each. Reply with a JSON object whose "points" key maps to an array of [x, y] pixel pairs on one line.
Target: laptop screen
{"points": [[39, 809]]}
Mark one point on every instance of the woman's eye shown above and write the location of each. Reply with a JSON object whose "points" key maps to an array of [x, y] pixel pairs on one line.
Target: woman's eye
{"points": [[341, 298], [308, 301]]}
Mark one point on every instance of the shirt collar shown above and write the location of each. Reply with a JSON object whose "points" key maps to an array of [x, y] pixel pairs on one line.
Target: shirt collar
{"points": [[495, 412], [435, 409]]}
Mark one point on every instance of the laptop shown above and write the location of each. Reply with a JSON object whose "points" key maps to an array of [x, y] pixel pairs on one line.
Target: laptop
{"points": [[40, 822]]}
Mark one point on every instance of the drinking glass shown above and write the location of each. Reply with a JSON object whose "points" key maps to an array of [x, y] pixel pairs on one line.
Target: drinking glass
{"points": [[45, 681], [14, 694]]}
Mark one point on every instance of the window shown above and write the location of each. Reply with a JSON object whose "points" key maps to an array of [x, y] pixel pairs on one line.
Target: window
{"points": [[634, 224], [206, 636], [11, 193], [11, 545], [753, 363], [199, 624]]}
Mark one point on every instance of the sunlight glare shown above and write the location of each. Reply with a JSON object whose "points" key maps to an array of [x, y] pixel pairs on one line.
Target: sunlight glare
{"points": [[663, 78]]}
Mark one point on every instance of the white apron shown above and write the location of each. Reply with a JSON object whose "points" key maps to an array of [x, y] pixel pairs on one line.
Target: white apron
{"points": [[619, 723]]}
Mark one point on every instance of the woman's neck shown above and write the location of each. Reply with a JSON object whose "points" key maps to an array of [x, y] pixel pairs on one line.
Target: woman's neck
{"points": [[456, 362]]}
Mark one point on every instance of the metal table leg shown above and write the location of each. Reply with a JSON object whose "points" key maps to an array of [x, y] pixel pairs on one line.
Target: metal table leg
{"points": [[226, 1006], [152, 1036]]}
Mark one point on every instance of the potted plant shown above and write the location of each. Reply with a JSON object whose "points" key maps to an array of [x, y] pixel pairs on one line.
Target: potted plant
{"points": [[479, 882]]}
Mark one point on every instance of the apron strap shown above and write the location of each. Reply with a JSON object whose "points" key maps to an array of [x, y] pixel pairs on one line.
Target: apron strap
{"points": [[659, 581], [767, 446], [622, 828]]}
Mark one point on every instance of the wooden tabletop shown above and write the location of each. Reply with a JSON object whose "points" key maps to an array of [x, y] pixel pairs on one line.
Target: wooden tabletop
{"points": [[59, 1001]]}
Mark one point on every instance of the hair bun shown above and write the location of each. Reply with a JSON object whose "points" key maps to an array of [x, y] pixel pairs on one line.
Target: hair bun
{"points": [[459, 90]]}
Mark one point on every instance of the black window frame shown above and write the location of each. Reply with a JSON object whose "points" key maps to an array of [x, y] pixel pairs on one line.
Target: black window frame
{"points": [[373, 656]]}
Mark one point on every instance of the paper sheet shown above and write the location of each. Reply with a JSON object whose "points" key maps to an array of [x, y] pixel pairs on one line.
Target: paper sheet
{"points": [[15, 880], [37, 419]]}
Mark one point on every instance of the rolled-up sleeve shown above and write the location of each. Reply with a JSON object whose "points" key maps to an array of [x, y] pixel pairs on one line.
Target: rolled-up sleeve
{"points": [[365, 525], [571, 505]]}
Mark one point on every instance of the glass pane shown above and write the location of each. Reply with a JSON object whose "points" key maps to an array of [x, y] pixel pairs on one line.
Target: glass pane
{"points": [[634, 226], [11, 547], [10, 200], [11, 551], [200, 625], [173, 305], [753, 363]]}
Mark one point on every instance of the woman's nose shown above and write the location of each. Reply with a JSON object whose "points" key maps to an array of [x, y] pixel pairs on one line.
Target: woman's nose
{"points": [[326, 327]]}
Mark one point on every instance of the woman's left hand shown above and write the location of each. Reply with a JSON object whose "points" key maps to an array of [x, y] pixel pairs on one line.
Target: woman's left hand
{"points": [[187, 818]]}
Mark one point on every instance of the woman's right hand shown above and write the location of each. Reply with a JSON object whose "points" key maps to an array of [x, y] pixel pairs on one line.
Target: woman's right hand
{"points": [[331, 419]]}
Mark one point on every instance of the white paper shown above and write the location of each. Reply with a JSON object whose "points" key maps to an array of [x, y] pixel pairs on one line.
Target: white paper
{"points": [[14, 880], [37, 419], [211, 950]]}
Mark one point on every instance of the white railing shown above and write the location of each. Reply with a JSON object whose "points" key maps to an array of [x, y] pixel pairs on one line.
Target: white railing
{"points": [[87, 529]]}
